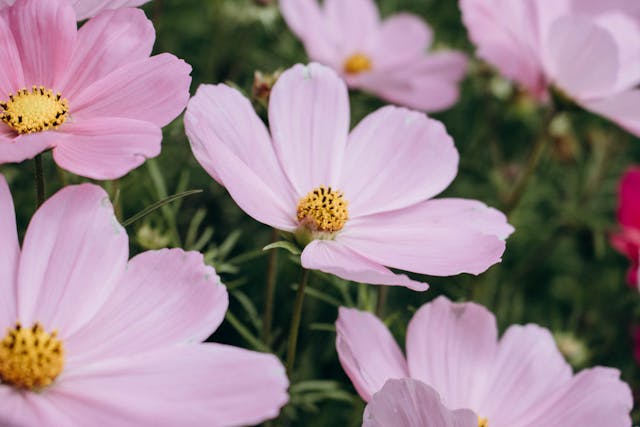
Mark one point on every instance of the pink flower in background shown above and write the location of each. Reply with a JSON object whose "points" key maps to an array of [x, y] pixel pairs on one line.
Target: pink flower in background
{"points": [[93, 95], [590, 54], [521, 380], [358, 201], [411, 403], [91, 339], [88, 8], [386, 57], [627, 240]]}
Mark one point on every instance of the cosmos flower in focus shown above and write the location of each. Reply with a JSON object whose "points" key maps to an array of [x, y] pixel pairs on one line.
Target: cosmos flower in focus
{"points": [[358, 201], [521, 380], [89, 338], [89, 8], [588, 51], [627, 239], [385, 57], [92, 95]]}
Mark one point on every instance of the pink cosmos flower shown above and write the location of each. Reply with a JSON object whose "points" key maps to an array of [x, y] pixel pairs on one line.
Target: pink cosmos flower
{"points": [[93, 95], [589, 54], [358, 201], [411, 403], [627, 240], [386, 57], [89, 8], [521, 380], [91, 339]]}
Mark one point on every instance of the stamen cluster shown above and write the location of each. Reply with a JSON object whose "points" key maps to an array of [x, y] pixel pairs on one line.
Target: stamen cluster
{"points": [[34, 110], [323, 209]]}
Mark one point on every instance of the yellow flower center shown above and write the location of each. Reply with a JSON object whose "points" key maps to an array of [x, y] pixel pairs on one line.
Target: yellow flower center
{"points": [[30, 358], [323, 209], [483, 422], [357, 63], [35, 110]]}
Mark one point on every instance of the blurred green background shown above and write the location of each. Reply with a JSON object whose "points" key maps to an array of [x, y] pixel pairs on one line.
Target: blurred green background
{"points": [[558, 271]]}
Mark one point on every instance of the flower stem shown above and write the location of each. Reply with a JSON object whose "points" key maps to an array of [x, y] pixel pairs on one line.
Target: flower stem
{"points": [[383, 293], [295, 322], [272, 274], [39, 178]]}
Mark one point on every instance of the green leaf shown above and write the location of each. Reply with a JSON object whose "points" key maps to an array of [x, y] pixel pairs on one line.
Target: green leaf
{"points": [[157, 205], [283, 244]]}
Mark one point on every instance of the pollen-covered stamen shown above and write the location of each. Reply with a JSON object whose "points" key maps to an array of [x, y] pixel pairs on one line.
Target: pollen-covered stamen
{"points": [[30, 358], [34, 110], [357, 63], [323, 209], [483, 422]]}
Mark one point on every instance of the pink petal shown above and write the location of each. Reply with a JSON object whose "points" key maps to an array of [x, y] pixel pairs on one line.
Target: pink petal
{"points": [[25, 409], [582, 58], [165, 297], [629, 198], [411, 403], [15, 149], [353, 24], [623, 109], [106, 43], [309, 119], [74, 253], [403, 38], [451, 347], [593, 398], [88, 8], [527, 367], [45, 33], [190, 385], [108, 147], [233, 146], [154, 89], [410, 148], [9, 259], [11, 74], [368, 352], [334, 258], [626, 31], [631, 7], [439, 238]]}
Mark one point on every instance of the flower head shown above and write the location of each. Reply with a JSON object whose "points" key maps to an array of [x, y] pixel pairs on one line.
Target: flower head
{"points": [[627, 239], [90, 338], [521, 380], [386, 57], [589, 51], [89, 8], [358, 201], [92, 94]]}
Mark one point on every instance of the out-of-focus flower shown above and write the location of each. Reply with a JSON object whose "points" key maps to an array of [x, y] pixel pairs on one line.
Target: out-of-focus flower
{"points": [[149, 237], [388, 58], [91, 339], [93, 95], [89, 8], [262, 86], [572, 348], [521, 380], [358, 201], [588, 54], [627, 239], [636, 343], [411, 403]]}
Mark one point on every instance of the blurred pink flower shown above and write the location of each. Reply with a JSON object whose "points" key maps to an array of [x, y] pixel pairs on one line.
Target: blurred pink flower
{"points": [[627, 240], [590, 54], [89, 8], [411, 403], [120, 340], [520, 380], [362, 200], [93, 95], [388, 58]]}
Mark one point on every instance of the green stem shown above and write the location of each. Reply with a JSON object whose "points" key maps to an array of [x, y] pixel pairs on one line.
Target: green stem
{"points": [[39, 178], [383, 293], [272, 274], [295, 322]]}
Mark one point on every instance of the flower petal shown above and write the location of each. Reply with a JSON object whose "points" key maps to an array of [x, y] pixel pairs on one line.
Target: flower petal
{"points": [[74, 251], [391, 147], [15, 149], [629, 198], [45, 34], [368, 352], [623, 109], [334, 258], [625, 29], [108, 147], [403, 38], [411, 403], [10, 257], [189, 385], [25, 409], [309, 119], [105, 43], [165, 297], [451, 347], [528, 367], [353, 23], [88, 8], [233, 146], [11, 74], [154, 89]]}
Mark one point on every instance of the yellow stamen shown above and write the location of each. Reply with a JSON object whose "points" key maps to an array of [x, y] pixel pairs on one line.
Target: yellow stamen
{"points": [[30, 358], [36, 110], [323, 209], [483, 422], [357, 63]]}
